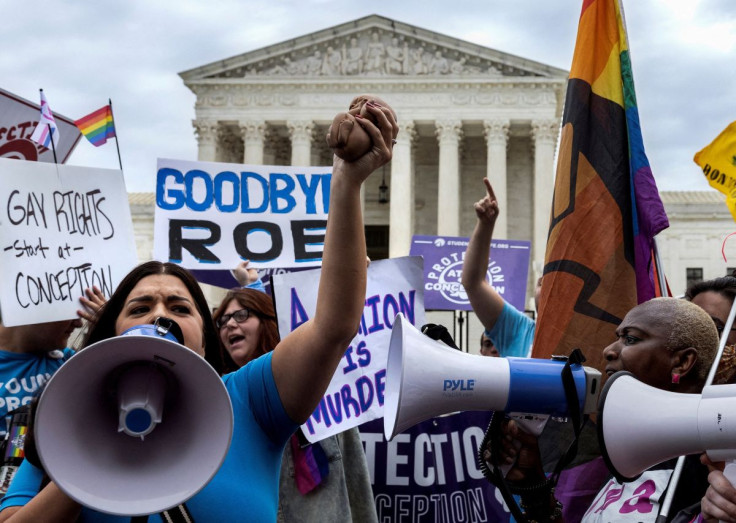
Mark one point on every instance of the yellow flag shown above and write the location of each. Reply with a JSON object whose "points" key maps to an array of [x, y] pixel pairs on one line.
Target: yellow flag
{"points": [[718, 161]]}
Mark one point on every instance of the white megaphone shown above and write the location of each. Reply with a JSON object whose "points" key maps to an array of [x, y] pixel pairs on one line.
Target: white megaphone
{"points": [[426, 378], [640, 426], [135, 424]]}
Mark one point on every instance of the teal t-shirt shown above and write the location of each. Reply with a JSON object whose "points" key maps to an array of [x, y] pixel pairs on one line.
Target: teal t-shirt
{"points": [[21, 375], [513, 333], [246, 486]]}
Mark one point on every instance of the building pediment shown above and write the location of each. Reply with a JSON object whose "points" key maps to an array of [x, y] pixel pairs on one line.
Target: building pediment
{"points": [[373, 46]]}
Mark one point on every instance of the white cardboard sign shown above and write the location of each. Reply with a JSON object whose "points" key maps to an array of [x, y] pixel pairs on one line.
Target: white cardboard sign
{"points": [[215, 215], [356, 393], [62, 229]]}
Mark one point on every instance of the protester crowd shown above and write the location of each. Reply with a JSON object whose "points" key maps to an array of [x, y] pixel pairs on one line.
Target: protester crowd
{"points": [[270, 473]]}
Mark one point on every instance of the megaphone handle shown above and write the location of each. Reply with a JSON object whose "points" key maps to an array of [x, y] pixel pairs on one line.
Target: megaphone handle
{"points": [[530, 423], [730, 472]]}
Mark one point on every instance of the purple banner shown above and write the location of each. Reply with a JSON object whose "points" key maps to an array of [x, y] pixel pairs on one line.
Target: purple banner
{"points": [[429, 472], [225, 279], [508, 270]]}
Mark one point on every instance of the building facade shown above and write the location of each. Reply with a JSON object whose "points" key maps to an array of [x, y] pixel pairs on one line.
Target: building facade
{"points": [[465, 111]]}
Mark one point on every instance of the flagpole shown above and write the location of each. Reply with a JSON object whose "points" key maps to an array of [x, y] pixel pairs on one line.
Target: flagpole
{"points": [[117, 145], [53, 147], [660, 272], [51, 131]]}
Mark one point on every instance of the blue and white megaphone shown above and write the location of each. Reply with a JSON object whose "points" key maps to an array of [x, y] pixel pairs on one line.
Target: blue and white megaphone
{"points": [[134, 424], [426, 378]]}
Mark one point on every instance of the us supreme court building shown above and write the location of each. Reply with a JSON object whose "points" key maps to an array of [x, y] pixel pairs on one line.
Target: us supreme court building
{"points": [[465, 112]]}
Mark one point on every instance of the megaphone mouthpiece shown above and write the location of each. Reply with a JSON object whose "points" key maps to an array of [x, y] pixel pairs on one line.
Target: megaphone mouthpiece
{"points": [[141, 391]]}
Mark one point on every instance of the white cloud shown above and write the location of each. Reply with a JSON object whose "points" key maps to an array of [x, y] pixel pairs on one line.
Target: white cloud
{"points": [[83, 53]]}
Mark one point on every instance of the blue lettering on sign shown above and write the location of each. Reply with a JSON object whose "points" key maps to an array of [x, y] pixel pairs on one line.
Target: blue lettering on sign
{"points": [[459, 385], [365, 392], [232, 179], [170, 199], [282, 194], [375, 319], [364, 357], [390, 310], [309, 188], [189, 179], [298, 312], [372, 302], [355, 398], [247, 192]]}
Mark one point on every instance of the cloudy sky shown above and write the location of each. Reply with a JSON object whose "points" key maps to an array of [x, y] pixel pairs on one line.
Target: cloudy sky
{"points": [[82, 53]]}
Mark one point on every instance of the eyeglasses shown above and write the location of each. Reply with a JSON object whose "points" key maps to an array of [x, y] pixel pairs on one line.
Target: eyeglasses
{"points": [[239, 316]]}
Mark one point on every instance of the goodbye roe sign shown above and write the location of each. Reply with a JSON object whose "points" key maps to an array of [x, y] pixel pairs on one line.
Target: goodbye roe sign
{"points": [[62, 229], [214, 215], [356, 392]]}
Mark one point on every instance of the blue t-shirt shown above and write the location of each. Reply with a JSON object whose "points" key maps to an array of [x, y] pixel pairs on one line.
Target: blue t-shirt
{"points": [[256, 286], [513, 333], [22, 374], [246, 486]]}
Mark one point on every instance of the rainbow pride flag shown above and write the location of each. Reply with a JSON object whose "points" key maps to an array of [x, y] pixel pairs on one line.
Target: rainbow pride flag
{"points": [[98, 126], [606, 208]]}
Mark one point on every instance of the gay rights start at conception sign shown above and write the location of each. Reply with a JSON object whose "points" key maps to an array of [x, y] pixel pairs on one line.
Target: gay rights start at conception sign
{"points": [[62, 229]]}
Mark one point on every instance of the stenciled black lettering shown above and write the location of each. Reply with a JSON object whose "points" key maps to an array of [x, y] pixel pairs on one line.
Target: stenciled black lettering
{"points": [[299, 232], [240, 241], [197, 247]]}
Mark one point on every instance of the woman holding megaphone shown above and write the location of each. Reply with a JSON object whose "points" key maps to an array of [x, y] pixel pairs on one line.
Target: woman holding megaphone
{"points": [[665, 343], [272, 395]]}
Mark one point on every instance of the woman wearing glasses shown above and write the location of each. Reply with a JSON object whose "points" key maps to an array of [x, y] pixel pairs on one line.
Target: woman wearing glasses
{"points": [[246, 324]]}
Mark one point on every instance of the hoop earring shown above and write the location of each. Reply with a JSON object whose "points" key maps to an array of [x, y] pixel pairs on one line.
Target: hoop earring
{"points": [[675, 378]]}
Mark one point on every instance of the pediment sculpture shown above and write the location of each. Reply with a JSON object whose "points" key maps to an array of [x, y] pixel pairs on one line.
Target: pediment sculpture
{"points": [[376, 53]]}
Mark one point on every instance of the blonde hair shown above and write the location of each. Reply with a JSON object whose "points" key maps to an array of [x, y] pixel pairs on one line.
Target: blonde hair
{"points": [[689, 326]]}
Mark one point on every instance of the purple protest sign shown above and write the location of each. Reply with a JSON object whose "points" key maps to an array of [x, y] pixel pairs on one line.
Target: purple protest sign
{"points": [[508, 269], [429, 472], [226, 280]]}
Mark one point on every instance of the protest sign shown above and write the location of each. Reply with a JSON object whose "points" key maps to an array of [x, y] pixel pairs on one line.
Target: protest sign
{"points": [[355, 394], [18, 120], [62, 229], [226, 280], [430, 473], [215, 215], [508, 270]]}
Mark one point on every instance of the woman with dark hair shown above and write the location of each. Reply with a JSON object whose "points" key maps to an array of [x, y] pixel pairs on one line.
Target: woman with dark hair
{"points": [[105, 323], [273, 394]]}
